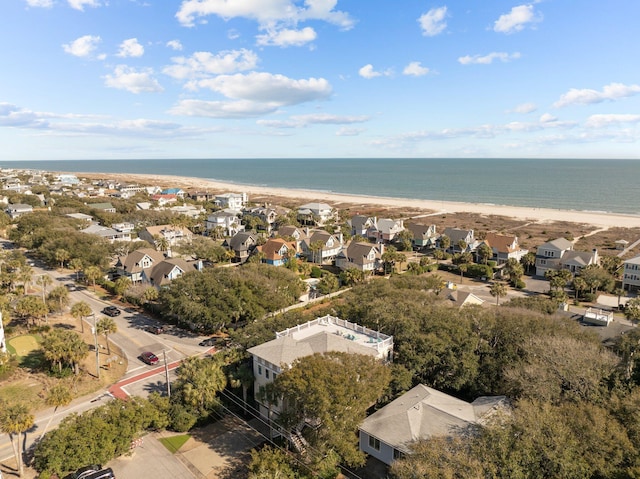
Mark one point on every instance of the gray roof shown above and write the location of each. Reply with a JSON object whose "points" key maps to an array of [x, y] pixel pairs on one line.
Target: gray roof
{"points": [[558, 243], [424, 412], [421, 231], [160, 271], [578, 258], [634, 260], [242, 241], [131, 262], [285, 350], [357, 253], [455, 234]]}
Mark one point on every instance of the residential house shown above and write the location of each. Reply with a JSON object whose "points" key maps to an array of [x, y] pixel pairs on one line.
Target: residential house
{"points": [[464, 298], [322, 335], [201, 196], [164, 200], [189, 211], [424, 236], [631, 274], [277, 251], [106, 207], [294, 232], [242, 244], [232, 201], [18, 209], [266, 214], [315, 214], [223, 223], [173, 235], [360, 224], [504, 247], [322, 247], [364, 257], [162, 273], [385, 230], [177, 192], [456, 235], [133, 264], [80, 217], [67, 179], [110, 234], [559, 254], [422, 413], [131, 190]]}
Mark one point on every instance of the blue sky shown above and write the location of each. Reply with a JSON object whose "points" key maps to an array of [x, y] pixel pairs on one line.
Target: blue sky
{"points": [[102, 79]]}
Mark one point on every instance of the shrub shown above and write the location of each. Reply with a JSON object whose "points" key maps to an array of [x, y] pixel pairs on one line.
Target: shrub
{"points": [[519, 284], [589, 297], [480, 271], [316, 272], [181, 419]]}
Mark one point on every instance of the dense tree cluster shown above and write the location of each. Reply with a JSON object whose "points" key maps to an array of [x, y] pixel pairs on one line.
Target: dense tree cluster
{"points": [[214, 298]]}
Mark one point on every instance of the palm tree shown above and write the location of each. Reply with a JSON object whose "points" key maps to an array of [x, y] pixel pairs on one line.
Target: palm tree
{"points": [[484, 252], [92, 273], [316, 247], [62, 255], [59, 395], [25, 275], [80, 311], [462, 244], [619, 292], [106, 326], [59, 294], [16, 420], [498, 290], [579, 285], [162, 243], [44, 280], [242, 376], [76, 265], [463, 269], [528, 260], [445, 242]]}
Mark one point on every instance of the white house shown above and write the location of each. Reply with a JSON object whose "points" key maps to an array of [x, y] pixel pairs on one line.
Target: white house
{"points": [[559, 254], [421, 413], [315, 213], [321, 247], [133, 264], [322, 335], [365, 257], [224, 221], [233, 201], [631, 274]]}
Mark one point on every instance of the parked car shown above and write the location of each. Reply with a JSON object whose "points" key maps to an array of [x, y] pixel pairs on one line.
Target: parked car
{"points": [[102, 474], [149, 358], [83, 472], [215, 341], [154, 329], [111, 311]]}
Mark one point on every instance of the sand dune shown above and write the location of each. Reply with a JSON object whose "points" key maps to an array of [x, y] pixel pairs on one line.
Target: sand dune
{"points": [[598, 219]]}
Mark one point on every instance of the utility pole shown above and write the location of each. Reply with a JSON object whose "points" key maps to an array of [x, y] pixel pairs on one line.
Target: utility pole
{"points": [[95, 336], [166, 372]]}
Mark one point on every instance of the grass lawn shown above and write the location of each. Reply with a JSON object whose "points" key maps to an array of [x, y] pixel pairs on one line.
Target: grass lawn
{"points": [[174, 443]]}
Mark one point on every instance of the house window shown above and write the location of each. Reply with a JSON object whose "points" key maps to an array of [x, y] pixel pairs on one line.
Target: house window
{"points": [[274, 376], [397, 455], [374, 443], [259, 370], [548, 254], [266, 373]]}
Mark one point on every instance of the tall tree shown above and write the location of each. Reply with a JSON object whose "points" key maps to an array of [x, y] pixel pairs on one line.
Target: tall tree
{"points": [[58, 395], [200, 380], [444, 242], [60, 297], [44, 280], [484, 252], [76, 265], [16, 420], [61, 256], [92, 273], [107, 326], [528, 260], [498, 290], [81, 310]]}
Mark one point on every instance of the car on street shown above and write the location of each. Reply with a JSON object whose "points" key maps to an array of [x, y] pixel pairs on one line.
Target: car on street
{"points": [[149, 358], [83, 472], [214, 341], [154, 329], [111, 311]]}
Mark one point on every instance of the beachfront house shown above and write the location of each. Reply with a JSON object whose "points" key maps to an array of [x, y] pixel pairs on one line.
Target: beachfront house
{"points": [[315, 214], [106, 207], [457, 238], [223, 223], [424, 236], [266, 214], [422, 413], [322, 335], [631, 274], [232, 201], [18, 209], [365, 257], [171, 235], [504, 247], [385, 230], [360, 224], [559, 254]]}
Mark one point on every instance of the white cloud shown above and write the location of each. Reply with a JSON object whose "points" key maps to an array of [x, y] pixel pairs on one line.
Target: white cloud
{"points": [[223, 109], [287, 37], [13, 116], [80, 4], [547, 118], [612, 91], [202, 64], [233, 34], [349, 131], [433, 22], [268, 88], [488, 59], [368, 72], [132, 80], [265, 12], [174, 45], [130, 48], [516, 19], [415, 69], [301, 121], [83, 46], [604, 120], [40, 3], [524, 108]]}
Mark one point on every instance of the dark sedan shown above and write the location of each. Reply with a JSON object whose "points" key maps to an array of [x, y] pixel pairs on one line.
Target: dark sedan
{"points": [[111, 311]]}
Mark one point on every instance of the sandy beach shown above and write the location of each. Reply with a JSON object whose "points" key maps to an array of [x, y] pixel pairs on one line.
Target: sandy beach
{"points": [[539, 215]]}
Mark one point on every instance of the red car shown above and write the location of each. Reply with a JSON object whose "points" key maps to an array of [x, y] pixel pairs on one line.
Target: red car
{"points": [[149, 358]]}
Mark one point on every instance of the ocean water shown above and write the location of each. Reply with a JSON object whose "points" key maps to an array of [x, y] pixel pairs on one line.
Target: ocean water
{"points": [[573, 184]]}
